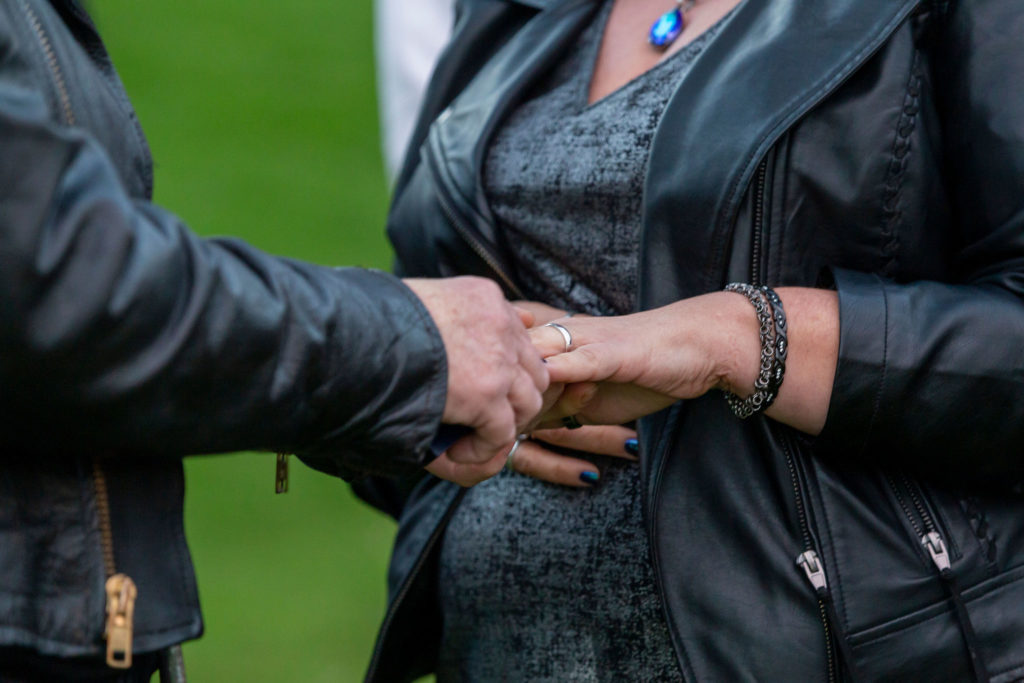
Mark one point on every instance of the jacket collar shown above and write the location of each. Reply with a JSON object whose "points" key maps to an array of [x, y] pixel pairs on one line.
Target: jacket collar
{"points": [[768, 66]]}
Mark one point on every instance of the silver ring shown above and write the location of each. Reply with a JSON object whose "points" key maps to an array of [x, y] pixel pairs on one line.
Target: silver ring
{"points": [[566, 334], [512, 453]]}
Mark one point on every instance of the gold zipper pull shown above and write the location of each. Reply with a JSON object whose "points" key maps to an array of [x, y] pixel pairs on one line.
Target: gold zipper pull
{"points": [[281, 476], [121, 594]]}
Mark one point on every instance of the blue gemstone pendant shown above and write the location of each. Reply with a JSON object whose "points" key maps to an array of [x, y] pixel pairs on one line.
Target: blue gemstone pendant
{"points": [[668, 26]]}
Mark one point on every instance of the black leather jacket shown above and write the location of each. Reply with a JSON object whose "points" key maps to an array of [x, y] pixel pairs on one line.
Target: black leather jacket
{"points": [[127, 342], [875, 146]]}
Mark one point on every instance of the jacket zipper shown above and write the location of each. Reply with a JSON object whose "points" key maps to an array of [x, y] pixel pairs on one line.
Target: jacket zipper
{"points": [[756, 274], [410, 579], [911, 500], [120, 590], [67, 113], [809, 560], [465, 231]]}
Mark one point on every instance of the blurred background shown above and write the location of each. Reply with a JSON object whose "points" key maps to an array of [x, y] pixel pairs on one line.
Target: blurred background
{"points": [[262, 120]]}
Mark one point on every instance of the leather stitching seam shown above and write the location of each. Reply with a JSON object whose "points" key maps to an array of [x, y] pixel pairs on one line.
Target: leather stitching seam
{"points": [[896, 170]]}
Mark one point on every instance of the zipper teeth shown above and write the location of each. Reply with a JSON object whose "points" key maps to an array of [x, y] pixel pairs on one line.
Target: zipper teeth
{"points": [[799, 498], [926, 517], [805, 530], [829, 649], [482, 252], [51, 60], [407, 586], [755, 261], [464, 231], [901, 499], [99, 480]]}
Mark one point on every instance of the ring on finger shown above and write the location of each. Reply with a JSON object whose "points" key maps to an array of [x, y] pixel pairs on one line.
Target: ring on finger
{"points": [[510, 458], [564, 331]]}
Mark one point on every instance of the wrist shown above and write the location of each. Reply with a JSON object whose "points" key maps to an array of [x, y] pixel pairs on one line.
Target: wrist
{"points": [[737, 348]]}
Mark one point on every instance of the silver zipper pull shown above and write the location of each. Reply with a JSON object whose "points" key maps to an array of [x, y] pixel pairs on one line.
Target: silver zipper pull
{"points": [[281, 474], [937, 549], [812, 566]]}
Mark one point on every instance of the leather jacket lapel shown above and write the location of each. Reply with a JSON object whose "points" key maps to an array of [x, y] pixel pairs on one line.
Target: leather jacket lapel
{"points": [[752, 83], [458, 139]]}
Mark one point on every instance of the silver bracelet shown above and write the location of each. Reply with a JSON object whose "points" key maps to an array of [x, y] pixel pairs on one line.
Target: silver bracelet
{"points": [[771, 319]]}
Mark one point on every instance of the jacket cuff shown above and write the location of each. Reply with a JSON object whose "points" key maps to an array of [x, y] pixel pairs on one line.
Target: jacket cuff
{"points": [[404, 384], [859, 385]]}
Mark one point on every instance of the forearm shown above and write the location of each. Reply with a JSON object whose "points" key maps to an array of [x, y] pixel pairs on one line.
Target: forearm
{"points": [[124, 332]]}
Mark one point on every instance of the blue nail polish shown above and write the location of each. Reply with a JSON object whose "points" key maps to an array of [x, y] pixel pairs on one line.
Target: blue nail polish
{"points": [[590, 477], [632, 446]]}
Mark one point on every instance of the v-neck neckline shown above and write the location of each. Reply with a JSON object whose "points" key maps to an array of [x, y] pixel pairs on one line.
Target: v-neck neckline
{"points": [[696, 43]]}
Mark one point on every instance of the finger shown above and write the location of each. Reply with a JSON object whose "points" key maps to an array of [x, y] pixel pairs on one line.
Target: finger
{"points": [[526, 401], [573, 401], [465, 474], [488, 440], [534, 365], [614, 404], [526, 317], [549, 341], [532, 362], [613, 440], [535, 461], [551, 396], [590, 363]]}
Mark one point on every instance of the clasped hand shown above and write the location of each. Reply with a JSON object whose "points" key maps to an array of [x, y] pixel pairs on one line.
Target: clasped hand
{"points": [[619, 368]]}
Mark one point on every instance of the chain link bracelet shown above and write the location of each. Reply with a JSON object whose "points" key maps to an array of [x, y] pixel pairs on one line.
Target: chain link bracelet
{"points": [[771, 319]]}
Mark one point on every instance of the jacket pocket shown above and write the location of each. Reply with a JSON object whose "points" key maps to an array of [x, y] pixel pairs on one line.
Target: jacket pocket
{"points": [[920, 645], [916, 597]]}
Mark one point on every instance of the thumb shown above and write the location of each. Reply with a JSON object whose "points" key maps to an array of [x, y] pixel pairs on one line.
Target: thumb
{"points": [[590, 363]]}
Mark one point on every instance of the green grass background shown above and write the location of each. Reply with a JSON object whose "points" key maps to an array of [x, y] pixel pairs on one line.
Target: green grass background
{"points": [[262, 120]]}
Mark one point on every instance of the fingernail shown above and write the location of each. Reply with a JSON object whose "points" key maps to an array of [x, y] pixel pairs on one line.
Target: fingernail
{"points": [[590, 478], [632, 446]]}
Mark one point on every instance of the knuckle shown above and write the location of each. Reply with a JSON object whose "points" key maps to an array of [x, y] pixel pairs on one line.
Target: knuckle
{"points": [[508, 435], [534, 404], [492, 388]]}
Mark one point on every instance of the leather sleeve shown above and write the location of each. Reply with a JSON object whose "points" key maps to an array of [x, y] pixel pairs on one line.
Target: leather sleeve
{"points": [[123, 332], [932, 374]]}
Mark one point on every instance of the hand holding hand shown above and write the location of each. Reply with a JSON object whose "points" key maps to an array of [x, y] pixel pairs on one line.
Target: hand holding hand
{"points": [[495, 375], [621, 368], [634, 365]]}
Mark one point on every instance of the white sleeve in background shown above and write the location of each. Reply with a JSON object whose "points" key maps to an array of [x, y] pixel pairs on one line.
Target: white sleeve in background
{"points": [[409, 36]]}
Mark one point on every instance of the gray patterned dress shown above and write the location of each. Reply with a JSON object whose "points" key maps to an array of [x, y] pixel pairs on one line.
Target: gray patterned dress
{"points": [[540, 582]]}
